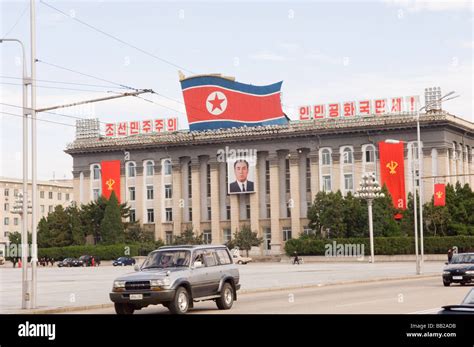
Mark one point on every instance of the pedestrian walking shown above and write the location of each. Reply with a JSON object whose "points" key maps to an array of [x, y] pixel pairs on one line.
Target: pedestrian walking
{"points": [[450, 254], [93, 262], [296, 260]]}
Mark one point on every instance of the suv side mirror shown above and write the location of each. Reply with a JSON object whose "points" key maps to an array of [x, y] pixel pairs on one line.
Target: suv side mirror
{"points": [[136, 268], [197, 264]]}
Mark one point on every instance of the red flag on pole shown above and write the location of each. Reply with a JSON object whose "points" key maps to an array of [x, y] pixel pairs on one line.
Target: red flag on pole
{"points": [[440, 194], [392, 171], [111, 178]]}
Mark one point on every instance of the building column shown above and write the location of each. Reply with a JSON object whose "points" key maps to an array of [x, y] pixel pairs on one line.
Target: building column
{"points": [[314, 162], [178, 204], [215, 204], [196, 195], [157, 203], [295, 194], [234, 213], [255, 201], [275, 205]]}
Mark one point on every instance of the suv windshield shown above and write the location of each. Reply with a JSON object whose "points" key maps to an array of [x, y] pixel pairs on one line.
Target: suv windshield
{"points": [[463, 259], [167, 258]]}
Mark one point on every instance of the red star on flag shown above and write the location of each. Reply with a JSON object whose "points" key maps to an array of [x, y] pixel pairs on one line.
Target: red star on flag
{"points": [[216, 103]]}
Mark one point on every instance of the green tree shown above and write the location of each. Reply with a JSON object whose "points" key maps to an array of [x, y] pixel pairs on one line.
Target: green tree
{"points": [[355, 216], [135, 233], [322, 217], [188, 237], [245, 239], [111, 227], [384, 216]]}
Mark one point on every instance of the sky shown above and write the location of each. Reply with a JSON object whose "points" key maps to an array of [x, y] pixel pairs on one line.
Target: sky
{"points": [[323, 51]]}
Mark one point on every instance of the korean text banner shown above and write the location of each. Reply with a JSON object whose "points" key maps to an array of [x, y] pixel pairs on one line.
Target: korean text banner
{"points": [[392, 171], [111, 178], [215, 102]]}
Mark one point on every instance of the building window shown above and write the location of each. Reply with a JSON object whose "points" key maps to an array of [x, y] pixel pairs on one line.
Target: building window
{"points": [[6, 192], [131, 193], [169, 237], [96, 172], [15, 193], [209, 213], [6, 234], [67, 197], [326, 157], [207, 237], [327, 183], [308, 231], [267, 177], [42, 208], [15, 221], [227, 212], [6, 207], [348, 182], [269, 211], [42, 194], [248, 211], [6, 221], [60, 196], [226, 180], [150, 214], [370, 154], [190, 181], [132, 170], [95, 194], [286, 234], [288, 211], [287, 175], [168, 191], [190, 214], [50, 209], [169, 214], [347, 157], [133, 217], [208, 180], [50, 195], [150, 170], [167, 167], [227, 235], [308, 175], [149, 192]]}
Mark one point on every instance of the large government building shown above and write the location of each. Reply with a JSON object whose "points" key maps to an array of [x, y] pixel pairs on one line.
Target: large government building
{"points": [[178, 179]]}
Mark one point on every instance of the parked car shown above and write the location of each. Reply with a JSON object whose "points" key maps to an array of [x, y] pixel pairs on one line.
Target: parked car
{"points": [[123, 261], [85, 260], [459, 270], [178, 276], [238, 259], [466, 306], [68, 262]]}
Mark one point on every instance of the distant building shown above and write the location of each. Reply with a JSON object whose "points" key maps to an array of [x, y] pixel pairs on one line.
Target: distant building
{"points": [[176, 180], [50, 194]]}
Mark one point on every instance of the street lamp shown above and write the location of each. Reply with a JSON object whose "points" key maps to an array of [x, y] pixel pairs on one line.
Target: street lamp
{"points": [[369, 190], [433, 103], [24, 217]]}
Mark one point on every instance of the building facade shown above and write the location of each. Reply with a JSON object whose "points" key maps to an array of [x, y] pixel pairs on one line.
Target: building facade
{"points": [[177, 180], [50, 194]]}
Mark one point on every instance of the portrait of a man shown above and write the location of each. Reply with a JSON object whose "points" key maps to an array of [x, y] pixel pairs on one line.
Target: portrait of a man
{"points": [[242, 184]]}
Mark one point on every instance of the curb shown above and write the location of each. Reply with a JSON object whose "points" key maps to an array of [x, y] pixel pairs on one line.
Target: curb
{"points": [[241, 292]]}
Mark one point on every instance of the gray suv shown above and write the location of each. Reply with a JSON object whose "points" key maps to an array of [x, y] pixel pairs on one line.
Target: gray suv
{"points": [[178, 276]]}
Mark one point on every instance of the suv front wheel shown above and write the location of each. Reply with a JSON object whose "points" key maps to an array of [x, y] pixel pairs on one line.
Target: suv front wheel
{"points": [[121, 308], [180, 303], [227, 297]]}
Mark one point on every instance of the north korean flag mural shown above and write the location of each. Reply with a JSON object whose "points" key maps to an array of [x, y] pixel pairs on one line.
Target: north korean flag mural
{"points": [[439, 194], [392, 171], [214, 102], [111, 178]]}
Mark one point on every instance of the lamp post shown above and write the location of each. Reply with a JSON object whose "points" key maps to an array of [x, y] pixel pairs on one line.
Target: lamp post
{"points": [[25, 298], [430, 104], [369, 190]]}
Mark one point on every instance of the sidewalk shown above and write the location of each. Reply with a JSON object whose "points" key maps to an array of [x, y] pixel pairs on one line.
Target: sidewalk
{"points": [[82, 287]]}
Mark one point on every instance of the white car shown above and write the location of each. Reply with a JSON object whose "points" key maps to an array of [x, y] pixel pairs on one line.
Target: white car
{"points": [[238, 259]]}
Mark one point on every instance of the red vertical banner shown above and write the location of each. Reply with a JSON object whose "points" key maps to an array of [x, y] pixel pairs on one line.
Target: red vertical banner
{"points": [[392, 171], [111, 178], [439, 194]]}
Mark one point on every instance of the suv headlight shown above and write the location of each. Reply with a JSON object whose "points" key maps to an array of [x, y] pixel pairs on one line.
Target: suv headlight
{"points": [[159, 283], [119, 284], [470, 272], [446, 272]]}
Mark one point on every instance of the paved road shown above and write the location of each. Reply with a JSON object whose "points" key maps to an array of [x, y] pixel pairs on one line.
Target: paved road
{"points": [[65, 287], [396, 297]]}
